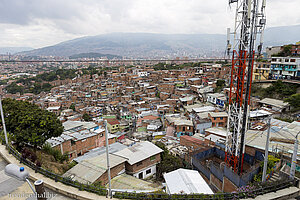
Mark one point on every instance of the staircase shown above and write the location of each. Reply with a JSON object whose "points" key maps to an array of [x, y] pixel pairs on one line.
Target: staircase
{"points": [[274, 178]]}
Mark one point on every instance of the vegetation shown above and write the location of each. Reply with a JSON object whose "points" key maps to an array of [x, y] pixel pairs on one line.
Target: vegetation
{"points": [[285, 119], [220, 85], [294, 101], [286, 51], [271, 163], [55, 153], [86, 117], [13, 88], [28, 124], [72, 106], [163, 66], [277, 90], [3, 82], [168, 162]]}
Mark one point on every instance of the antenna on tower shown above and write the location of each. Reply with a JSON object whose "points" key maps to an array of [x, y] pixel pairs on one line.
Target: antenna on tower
{"points": [[249, 22], [228, 42]]}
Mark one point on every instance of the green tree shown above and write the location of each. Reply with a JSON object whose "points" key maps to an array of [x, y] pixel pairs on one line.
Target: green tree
{"points": [[168, 162], [72, 106], [294, 101], [220, 83], [86, 117], [286, 51], [13, 88], [28, 124]]}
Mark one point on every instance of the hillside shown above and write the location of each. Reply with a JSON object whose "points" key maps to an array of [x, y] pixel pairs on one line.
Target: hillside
{"points": [[150, 45]]}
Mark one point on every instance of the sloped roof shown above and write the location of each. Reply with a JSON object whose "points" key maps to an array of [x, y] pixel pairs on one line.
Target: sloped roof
{"points": [[139, 151], [274, 102], [89, 170], [186, 181]]}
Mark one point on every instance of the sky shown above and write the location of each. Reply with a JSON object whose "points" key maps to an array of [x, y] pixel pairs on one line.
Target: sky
{"points": [[39, 23]]}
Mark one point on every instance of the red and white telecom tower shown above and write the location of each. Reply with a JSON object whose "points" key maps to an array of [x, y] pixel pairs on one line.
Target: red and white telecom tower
{"points": [[249, 22]]}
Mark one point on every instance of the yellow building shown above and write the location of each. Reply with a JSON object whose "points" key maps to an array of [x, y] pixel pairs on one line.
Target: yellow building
{"points": [[261, 71], [113, 125]]}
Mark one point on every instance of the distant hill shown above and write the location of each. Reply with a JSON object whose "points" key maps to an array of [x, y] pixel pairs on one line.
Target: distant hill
{"points": [[282, 35], [13, 50], [137, 45], [150, 45], [94, 55]]}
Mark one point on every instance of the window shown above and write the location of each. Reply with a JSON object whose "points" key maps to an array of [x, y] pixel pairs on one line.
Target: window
{"points": [[73, 142], [183, 128], [152, 158], [221, 118], [148, 171], [215, 118], [139, 163]]}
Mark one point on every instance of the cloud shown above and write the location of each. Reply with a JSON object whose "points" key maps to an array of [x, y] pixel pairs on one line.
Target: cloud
{"points": [[38, 23]]}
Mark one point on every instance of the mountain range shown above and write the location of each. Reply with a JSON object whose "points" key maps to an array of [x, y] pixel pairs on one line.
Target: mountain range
{"points": [[151, 45]]}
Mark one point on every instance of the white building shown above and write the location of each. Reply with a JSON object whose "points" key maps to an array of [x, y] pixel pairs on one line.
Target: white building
{"points": [[186, 181]]}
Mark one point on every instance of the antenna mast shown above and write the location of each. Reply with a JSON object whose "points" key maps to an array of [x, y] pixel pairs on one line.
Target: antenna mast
{"points": [[249, 22]]}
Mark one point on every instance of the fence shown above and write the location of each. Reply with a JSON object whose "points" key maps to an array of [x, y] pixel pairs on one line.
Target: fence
{"points": [[142, 196], [219, 173]]}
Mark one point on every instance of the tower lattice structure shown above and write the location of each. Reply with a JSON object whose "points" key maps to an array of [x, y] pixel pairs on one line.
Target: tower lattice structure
{"points": [[249, 23]]}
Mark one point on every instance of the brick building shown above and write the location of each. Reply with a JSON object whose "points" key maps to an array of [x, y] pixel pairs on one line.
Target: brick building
{"points": [[142, 159]]}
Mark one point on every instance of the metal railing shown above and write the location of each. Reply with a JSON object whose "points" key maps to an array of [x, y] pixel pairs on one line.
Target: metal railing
{"points": [[159, 196]]}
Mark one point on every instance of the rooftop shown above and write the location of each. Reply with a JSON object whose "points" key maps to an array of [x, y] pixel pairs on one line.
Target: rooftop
{"points": [[204, 109], [218, 114], [112, 148], [274, 102], [186, 181], [139, 151], [88, 171]]}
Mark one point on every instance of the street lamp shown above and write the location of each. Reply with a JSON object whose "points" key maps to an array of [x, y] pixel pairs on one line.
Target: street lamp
{"points": [[19, 173], [3, 122]]}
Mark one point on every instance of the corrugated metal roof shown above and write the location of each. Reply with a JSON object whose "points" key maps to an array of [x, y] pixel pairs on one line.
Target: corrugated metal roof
{"points": [[139, 151], [88, 171], [112, 148], [186, 181], [274, 102]]}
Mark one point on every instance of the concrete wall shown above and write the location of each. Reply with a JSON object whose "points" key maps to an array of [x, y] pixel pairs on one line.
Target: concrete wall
{"points": [[115, 171], [149, 171], [142, 166]]}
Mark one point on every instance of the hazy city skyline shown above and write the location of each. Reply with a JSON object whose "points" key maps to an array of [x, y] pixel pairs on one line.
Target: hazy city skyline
{"points": [[35, 24]]}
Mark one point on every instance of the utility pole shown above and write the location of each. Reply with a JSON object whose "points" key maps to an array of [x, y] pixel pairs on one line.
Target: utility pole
{"points": [[3, 122], [294, 158], [107, 159], [266, 151]]}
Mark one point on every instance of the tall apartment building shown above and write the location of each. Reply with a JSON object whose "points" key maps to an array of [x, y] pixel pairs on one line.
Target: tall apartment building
{"points": [[285, 68], [261, 71]]}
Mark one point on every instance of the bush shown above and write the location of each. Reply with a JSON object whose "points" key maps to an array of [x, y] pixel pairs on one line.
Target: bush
{"points": [[47, 148], [55, 153]]}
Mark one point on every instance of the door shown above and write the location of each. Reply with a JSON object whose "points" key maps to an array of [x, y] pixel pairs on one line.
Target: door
{"points": [[141, 175]]}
